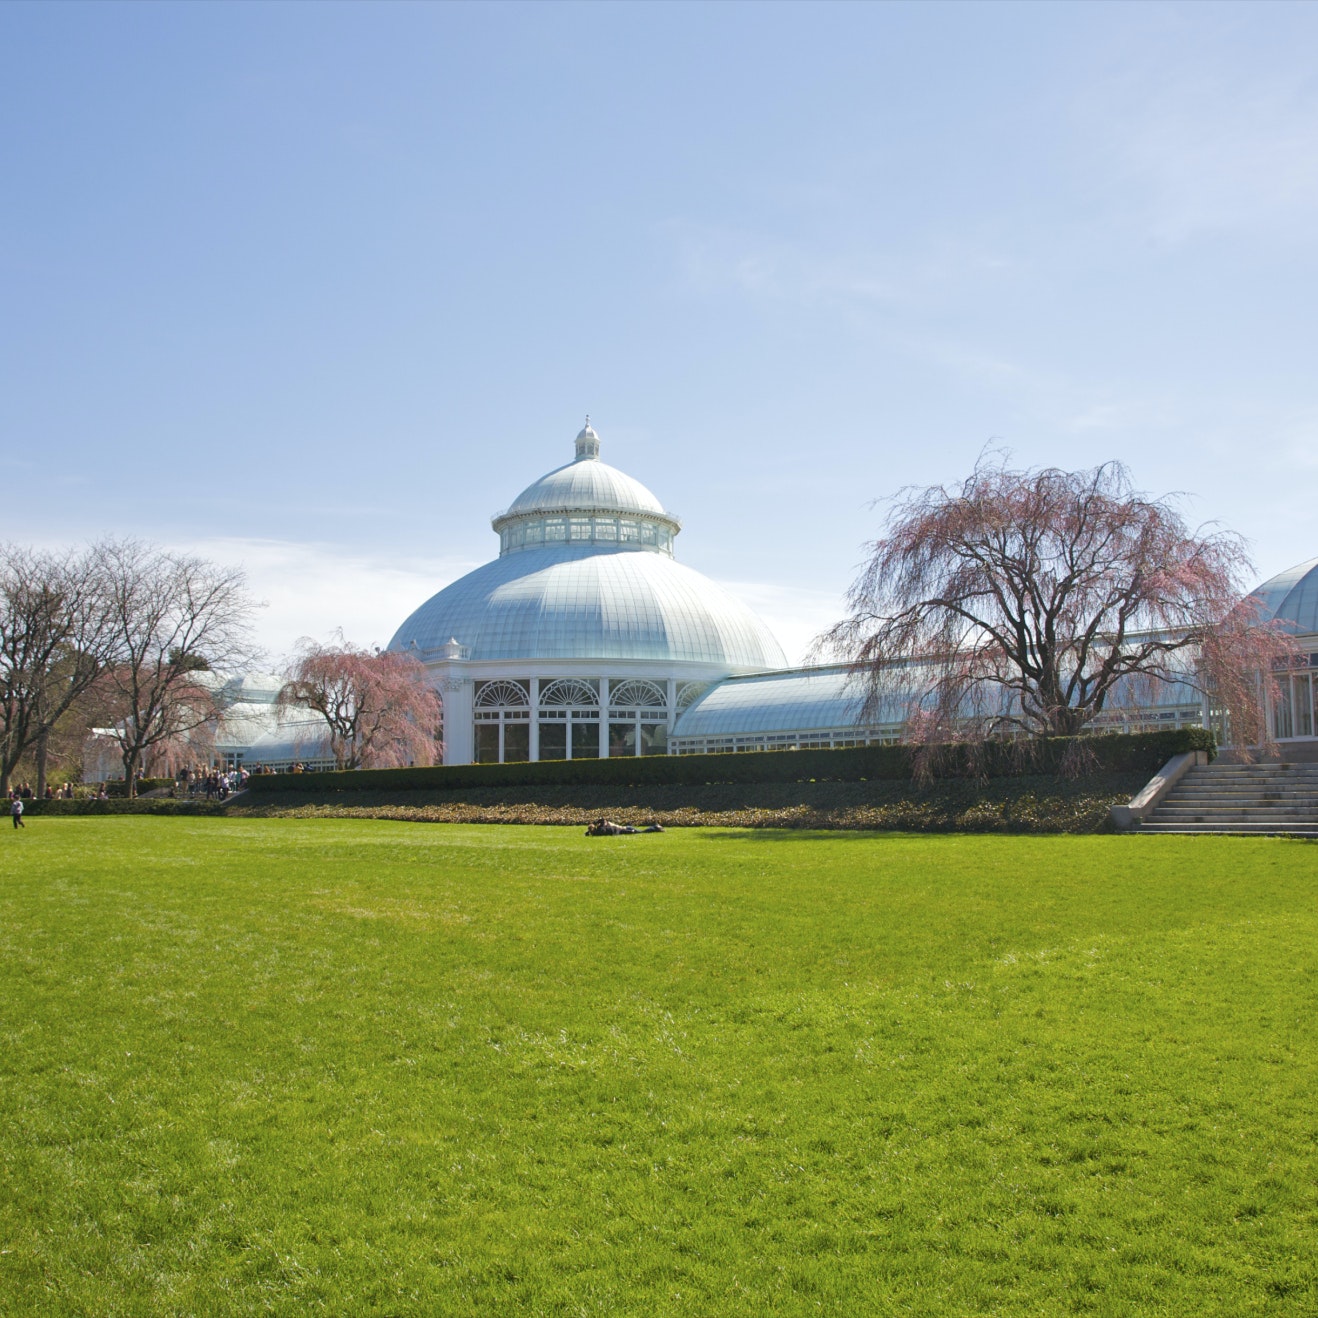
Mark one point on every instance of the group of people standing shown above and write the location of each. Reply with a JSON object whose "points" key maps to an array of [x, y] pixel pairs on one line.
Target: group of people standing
{"points": [[215, 784], [24, 792]]}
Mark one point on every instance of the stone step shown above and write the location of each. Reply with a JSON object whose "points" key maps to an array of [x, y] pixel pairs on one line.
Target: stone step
{"points": [[1238, 828], [1241, 802], [1256, 795], [1257, 785], [1225, 817], [1248, 799]]}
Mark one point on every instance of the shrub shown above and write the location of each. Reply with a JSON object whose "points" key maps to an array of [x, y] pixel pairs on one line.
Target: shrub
{"points": [[120, 805], [117, 787]]}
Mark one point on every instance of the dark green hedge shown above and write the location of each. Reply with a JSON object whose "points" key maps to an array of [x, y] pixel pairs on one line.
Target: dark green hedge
{"points": [[150, 805], [1141, 752], [117, 786]]}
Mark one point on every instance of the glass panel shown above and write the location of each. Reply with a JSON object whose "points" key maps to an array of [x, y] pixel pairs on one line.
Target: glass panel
{"points": [[555, 529], [516, 742], [585, 740], [487, 743], [1303, 706], [654, 739], [553, 741], [1282, 714], [628, 532], [581, 528], [605, 529], [535, 533], [622, 739]]}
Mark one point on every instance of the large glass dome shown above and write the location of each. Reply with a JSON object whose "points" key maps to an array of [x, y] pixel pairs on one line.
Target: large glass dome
{"points": [[586, 572], [1291, 597]]}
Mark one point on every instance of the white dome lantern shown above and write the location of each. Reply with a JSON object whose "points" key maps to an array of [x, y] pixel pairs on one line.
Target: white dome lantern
{"points": [[586, 501], [588, 442]]}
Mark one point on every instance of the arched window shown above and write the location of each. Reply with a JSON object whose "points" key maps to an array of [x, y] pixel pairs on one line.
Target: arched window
{"points": [[638, 718], [569, 691], [503, 722], [569, 716], [493, 695], [637, 694]]}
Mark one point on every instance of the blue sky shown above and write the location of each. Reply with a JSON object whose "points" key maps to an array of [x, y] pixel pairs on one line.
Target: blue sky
{"points": [[318, 288]]}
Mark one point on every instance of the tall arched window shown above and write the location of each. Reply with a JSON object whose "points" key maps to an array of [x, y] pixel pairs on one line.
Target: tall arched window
{"points": [[569, 718], [638, 718], [503, 722]]}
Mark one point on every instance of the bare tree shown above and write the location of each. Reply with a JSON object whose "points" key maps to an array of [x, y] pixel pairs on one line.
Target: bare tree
{"points": [[55, 642], [380, 708], [174, 620], [1030, 601]]}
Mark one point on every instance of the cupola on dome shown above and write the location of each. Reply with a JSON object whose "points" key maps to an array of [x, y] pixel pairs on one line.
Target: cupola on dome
{"points": [[586, 501]]}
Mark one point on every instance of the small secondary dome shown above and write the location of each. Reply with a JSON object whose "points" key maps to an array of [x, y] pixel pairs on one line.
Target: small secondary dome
{"points": [[1291, 598], [585, 485]]}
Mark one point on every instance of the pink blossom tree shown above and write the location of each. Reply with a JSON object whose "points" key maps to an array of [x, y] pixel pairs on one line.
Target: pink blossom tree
{"points": [[1032, 601], [380, 709]]}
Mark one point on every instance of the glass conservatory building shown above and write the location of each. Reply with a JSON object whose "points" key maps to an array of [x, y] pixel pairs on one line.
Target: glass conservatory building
{"points": [[585, 638]]}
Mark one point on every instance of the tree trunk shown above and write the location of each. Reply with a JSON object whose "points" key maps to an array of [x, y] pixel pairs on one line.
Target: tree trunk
{"points": [[43, 747], [130, 774]]}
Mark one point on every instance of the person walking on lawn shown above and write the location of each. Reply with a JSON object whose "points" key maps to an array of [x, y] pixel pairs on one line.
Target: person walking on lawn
{"points": [[16, 812]]}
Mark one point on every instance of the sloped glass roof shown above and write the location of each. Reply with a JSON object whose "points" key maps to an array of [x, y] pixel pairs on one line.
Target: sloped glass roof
{"points": [[796, 700], [809, 699], [1291, 598]]}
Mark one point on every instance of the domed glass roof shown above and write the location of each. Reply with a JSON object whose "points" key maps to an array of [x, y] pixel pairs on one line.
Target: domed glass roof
{"points": [[588, 602], [585, 571], [1291, 597]]}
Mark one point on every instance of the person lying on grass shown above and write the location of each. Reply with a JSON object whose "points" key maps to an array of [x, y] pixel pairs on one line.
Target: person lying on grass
{"points": [[607, 828]]}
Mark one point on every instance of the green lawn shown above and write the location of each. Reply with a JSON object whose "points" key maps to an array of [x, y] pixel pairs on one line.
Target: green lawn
{"points": [[348, 1066]]}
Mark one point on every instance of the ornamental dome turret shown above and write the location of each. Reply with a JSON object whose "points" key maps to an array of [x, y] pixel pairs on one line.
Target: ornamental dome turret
{"points": [[588, 442], [1291, 599], [586, 501]]}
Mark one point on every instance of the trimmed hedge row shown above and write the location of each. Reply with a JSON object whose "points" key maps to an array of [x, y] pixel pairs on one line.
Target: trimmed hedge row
{"points": [[117, 786], [120, 805], [1113, 753]]}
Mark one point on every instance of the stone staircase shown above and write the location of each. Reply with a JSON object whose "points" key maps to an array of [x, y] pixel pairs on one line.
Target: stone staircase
{"points": [[1240, 798]]}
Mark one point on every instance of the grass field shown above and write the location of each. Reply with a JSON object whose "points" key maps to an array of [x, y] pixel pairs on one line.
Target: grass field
{"points": [[346, 1066]]}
